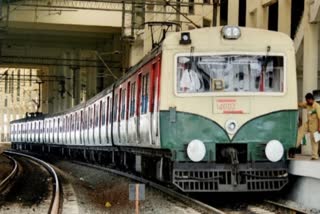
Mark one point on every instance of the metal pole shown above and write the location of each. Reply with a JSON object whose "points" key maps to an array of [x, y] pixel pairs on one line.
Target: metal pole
{"points": [[39, 97]]}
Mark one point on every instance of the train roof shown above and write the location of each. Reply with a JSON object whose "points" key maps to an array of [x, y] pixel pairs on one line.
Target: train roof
{"points": [[251, 39], [28, 119]]}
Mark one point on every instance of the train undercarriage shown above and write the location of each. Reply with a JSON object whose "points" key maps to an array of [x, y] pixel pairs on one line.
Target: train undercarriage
{"points": [[186, 176]]}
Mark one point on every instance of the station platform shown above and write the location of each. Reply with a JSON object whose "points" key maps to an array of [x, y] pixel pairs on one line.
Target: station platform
{"points": [[302, 165], [305, 181]]}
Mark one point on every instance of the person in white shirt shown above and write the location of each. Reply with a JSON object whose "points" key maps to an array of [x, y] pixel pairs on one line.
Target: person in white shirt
{"points": [[190, 81]]}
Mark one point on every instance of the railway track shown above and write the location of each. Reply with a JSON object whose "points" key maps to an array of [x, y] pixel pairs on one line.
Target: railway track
{"points": [[191, 202], [54, 207], [265, 207], [5, 183], [281, 208]]}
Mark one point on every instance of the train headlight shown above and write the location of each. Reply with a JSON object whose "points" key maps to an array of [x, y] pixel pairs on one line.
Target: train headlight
{"points": [[196, 150], [274, 150], [231, 32], [231, 126], [185, 38]]}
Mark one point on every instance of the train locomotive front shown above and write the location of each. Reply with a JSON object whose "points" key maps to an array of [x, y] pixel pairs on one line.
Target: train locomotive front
{"points": [[228, 108]]}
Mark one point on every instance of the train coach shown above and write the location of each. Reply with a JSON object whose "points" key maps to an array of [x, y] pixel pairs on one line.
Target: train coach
{"points": [[208, 110]]}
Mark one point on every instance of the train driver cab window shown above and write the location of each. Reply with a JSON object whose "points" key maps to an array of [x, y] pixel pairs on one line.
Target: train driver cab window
{"points": [[123, 103], [132, 99], [144, 94], [230, 73]]}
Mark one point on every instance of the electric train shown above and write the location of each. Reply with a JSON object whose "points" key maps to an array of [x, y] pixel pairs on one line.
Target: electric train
{"points": [[208, 110]]}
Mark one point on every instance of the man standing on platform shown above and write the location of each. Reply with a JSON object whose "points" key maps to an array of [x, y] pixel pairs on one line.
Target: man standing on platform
{"points": [[312, 125]]}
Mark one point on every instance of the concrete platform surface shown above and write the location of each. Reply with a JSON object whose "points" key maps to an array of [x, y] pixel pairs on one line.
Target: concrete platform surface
{"points": [[302, 165]]}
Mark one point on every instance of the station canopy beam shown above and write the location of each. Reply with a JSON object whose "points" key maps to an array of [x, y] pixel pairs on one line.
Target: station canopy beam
{"points": [[49, 61], [106, 5]]}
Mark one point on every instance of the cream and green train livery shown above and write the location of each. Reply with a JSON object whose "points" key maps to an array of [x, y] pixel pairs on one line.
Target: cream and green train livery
{"points": [[232, 99], [209, 110]]}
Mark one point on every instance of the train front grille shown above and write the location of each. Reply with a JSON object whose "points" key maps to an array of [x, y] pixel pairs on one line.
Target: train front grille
{"points": [[222, 178]]}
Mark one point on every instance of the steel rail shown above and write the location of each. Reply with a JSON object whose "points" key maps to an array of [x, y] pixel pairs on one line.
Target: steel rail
{"points": [[4, 183], [55, 202], [198, 205], [284, 207]]}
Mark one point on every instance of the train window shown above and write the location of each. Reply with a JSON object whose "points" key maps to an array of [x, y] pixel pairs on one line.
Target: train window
{"points": [[77, 126], [85, 119], [115, 107], [123, 103], [67, 124], [74, 122], [81, 120], [70, 122], [90, 117], [110, 110], [132, 99], [78, 120], [103, 112], [96, 114], [60, 125], [144, 94], [230, 73], [63, 124], [107, 110]]}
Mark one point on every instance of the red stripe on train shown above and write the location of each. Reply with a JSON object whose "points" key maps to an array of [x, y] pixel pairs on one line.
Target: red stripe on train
{"points": [[226, 100], [233, 112]]}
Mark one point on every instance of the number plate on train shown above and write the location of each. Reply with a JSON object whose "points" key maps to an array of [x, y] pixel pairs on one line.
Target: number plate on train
{"points": [[227, 105]]}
